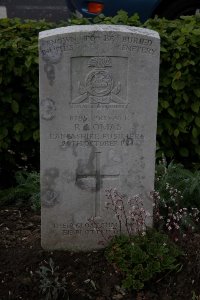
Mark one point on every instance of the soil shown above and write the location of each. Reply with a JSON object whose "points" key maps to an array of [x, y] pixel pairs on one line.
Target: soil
{"points": [[88, 275]]}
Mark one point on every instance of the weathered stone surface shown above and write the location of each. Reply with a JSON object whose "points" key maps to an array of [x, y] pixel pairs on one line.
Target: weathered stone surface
{"points": [[98, 108]]}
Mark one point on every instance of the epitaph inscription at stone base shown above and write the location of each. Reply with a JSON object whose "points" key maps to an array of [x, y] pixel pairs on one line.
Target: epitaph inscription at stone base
{"points": [[98, 114]]}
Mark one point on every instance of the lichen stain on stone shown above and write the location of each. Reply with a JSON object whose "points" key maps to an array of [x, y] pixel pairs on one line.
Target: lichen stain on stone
{"points": [[86, 170], [114, 156], [49, 69], [50, 176], [49, 194], [49, 197], [51, 56], [68, 176], [50, 53]]}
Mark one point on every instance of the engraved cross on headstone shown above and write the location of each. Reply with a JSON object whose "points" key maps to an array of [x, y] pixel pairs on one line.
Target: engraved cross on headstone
{"points": [[98, 176]]}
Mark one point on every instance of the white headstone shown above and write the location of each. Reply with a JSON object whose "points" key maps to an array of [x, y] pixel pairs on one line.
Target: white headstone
{"points": [[3, 12], [98, 115]]}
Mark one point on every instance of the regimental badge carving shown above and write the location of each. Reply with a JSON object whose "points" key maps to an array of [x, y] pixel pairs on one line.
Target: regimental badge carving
{"points": [[99, 85], [48, 109]]}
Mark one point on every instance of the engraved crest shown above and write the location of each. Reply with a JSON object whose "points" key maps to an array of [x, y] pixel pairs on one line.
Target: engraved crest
{"points": [[99, 85]]}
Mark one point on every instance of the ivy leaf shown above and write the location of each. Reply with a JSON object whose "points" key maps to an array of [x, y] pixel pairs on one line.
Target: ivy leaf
{"points": [[196, 32], [3, 133], [178, 85], [17, 137], [195, 132], [28, 61], [177, 75], [164, 104], [195, 107], [178, 66], [182, 124], [197, 92], [18, 127], [197, 121], [188, 117], [159, 130], [36, 60], [181, 40], [36, 135], [185, 97], [176, 132], [184, 152], [171, 112], [197, 149], [15, 107], [163, 49]]}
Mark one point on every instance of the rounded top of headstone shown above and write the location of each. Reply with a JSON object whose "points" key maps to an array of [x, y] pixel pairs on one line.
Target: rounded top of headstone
{"points": [[98, 28]]}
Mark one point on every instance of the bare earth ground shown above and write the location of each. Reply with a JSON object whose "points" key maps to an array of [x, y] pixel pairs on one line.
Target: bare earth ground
{"points": [[88, 275]]}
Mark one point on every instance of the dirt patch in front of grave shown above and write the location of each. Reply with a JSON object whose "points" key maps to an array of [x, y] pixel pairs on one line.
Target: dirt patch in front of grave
{"points": [[88, 275]]}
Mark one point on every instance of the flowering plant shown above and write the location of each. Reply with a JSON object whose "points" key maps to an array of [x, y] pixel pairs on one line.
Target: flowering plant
{"points": [[174, 208], [129, 212], [138, 252]]}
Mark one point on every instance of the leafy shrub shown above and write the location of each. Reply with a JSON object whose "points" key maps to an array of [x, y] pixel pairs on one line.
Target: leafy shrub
{"points": [[129, 212], [179, 93], [19, 114], [140, 258], [51, 286], [19, 132], [26, 191]]}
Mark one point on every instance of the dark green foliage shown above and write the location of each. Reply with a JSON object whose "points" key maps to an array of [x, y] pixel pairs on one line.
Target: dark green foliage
{"points": [[179, 94], [121, 18], [141, 258], [19, 130], [26, 191]]}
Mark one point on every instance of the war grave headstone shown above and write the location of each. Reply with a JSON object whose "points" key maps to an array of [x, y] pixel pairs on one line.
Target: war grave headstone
{"points": [[98, 115]]}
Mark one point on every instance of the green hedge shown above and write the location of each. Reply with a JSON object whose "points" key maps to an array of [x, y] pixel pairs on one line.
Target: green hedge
{"points": [[179, 92]]}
